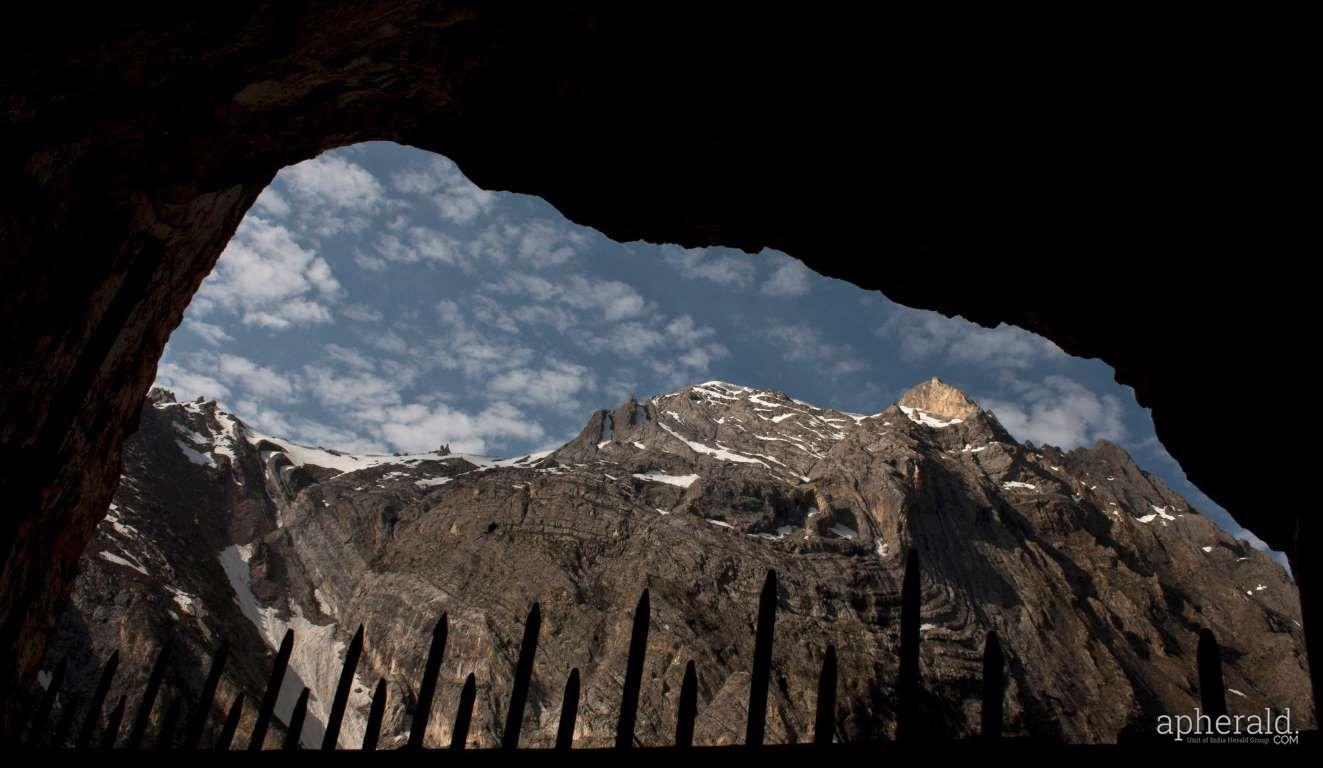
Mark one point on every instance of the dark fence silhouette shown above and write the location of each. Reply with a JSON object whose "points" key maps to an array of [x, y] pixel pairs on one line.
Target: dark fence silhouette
{"points": [[38, 734]]}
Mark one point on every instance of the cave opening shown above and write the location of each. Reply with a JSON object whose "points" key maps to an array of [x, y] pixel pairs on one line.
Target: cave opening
{"points": [[376, 310]]}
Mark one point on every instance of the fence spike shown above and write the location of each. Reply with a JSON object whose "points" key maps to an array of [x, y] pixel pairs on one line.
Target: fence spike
{"points": [[638, 648], [514, 719], [907, 687], [1212, 693], [341, 700], [139, 729], [231, 724], [427, 686], [994, 686], [294, 733], [375, 715], [258, 739], [98, 701], [824, 726], [43, 711], [762, 663], [65, 725], [169, 721], [202, 710], [684, 717], [459, 735], [569, 712], [112, 725]]}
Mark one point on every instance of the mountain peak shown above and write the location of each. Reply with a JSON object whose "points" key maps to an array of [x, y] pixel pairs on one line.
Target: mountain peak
{"points": [[940, 399], [160, 395]]}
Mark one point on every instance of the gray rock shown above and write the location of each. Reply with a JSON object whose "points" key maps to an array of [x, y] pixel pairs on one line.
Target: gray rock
{"points": [[1096, 576]]}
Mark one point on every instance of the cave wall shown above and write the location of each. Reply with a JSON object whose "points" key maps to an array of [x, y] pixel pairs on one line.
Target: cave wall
{"points": [[1111, 186]]}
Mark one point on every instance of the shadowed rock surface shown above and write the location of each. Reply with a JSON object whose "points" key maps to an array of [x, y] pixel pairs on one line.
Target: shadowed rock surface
{"points": [[1095, 575]]}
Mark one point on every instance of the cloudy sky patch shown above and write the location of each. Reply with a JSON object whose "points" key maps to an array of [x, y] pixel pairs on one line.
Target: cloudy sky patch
{"points": [[375, 300]]}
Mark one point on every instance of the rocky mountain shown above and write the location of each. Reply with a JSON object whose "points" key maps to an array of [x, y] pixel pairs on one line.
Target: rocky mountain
{"points": [[1095, 574]]}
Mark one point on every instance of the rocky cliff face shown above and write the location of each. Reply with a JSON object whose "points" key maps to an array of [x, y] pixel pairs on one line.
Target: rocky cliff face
{"points": [[1096, 575]]}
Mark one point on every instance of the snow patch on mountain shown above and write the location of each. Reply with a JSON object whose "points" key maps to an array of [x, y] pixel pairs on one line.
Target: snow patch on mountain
{"points": [[683, 481], [301, 455], [195, 456], [922, 417], [844, 531], [111, 557], [719, 453], [315, 662]]}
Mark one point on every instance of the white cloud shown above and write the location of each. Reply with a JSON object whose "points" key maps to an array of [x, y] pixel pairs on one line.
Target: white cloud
{"points": [[266, 420], [737, 271], [477, 356], [272, 203], [559, 318], [493, 313], [683, 330], [348, 356], [416, 428], [613, 299], [335, 181], [304, 431], [361, 313], [388, 341], [449, 312], [349, 391], [210, 332], [369, 263], [554, 385], [791, 278], [538, 243], [689, 357], [688, 366], [634, 339], [628, 339], [800, 343], [291, 313], [311, 432], [521, 283], [457, 199], [437, 247], [267, 277], [188, 384], [1060, 411], [319, 275], [700, 358], [332, 194], [364, 399], [471, 352], [923, 334], [255, 379], [414, 245]]}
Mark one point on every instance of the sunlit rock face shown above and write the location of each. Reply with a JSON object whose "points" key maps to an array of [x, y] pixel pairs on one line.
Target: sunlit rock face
{"points": [[1096, 576], [940, 399]]}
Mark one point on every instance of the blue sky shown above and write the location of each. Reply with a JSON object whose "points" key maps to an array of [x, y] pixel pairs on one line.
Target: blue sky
{"points": [[374, 300]]}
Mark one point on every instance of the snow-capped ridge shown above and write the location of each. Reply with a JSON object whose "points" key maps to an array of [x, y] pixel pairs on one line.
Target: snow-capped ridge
{"points": [[300, 455]]}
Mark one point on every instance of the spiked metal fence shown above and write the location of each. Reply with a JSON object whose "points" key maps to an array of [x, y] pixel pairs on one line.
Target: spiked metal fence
{"points": [[1211, 689]]}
